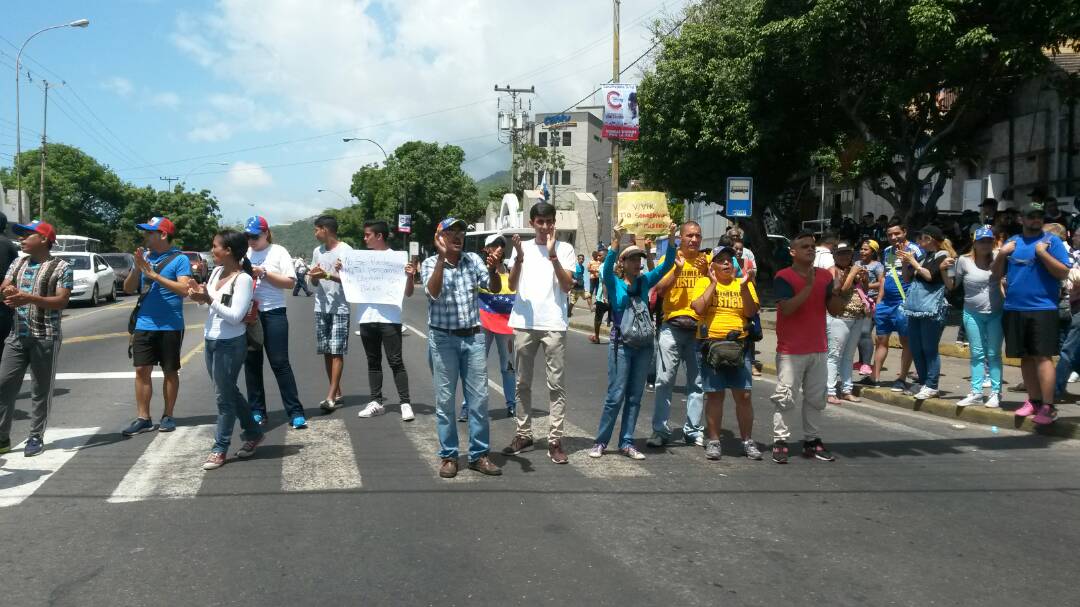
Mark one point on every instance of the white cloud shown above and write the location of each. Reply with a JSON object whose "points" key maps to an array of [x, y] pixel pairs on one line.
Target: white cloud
{"points": [[248, 176], [338, 64], [211, 132], [167, 99], [119, 85]]}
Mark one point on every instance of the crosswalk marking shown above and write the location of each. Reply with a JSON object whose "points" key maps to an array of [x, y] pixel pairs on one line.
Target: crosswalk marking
{"points": [[21, 476], [325, 459], [425, 439], [169, 468]]}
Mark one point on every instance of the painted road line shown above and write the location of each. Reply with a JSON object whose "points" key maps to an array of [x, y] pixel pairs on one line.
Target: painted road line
{"points": [[21, 476], [169, 468], [325, 459], [101, 375], [192, 353], [115, 306], [78, 339]]}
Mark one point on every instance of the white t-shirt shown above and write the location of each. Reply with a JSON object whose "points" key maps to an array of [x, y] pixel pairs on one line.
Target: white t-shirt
{"points": [[384, 313], [277, 260], [823, 258], [540, 302], [227, 321], [329, 296]]}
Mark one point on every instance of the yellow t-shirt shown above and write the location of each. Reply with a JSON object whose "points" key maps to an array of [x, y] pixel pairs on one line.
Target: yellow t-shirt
{"points": [[725, 313], [683, 291]]}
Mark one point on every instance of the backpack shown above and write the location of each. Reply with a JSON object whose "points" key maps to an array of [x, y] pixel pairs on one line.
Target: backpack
{"points": [[637, 330]]}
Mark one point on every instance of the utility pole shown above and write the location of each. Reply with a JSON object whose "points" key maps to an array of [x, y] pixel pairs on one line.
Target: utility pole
{"points": [[516, 124], [170, 180], [615, 142], [44, 152]]}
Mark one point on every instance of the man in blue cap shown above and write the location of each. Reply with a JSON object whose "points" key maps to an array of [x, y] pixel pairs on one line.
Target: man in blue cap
{"points": [[456, 343], [157, 323]]}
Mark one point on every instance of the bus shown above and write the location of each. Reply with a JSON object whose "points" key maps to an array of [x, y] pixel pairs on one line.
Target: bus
{"points": [[66, 243]]}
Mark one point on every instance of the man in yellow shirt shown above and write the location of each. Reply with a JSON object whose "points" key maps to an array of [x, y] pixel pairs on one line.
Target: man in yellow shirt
{"points": [[677, 339]]}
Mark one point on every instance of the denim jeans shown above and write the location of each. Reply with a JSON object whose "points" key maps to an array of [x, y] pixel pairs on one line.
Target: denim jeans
{"points": [[844, 335], [504, 344], [275, 326], [301, 283], [866, 343], [223, 360], [984, 336], [1070, 357], [674, 346], [627, 368], [924, 335], [453, 357]]}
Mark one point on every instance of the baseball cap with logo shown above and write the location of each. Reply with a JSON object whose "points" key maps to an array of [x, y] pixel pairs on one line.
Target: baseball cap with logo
{"points": [[1033, 208], [35, 227], [451, 222], [984, 232], [256, 224], [158, 224]]}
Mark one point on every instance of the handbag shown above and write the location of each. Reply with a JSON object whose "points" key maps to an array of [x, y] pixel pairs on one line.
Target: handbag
{"points": [[723, 354], [755, 331], [868, 303], [255, 336]]}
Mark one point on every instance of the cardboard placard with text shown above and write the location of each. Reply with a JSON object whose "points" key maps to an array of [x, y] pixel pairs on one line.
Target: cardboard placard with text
{"points": [[644, 213]]}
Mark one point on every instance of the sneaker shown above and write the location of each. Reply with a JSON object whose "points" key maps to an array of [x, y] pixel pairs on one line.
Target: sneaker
{"points": [[697, 440], [866, 380], [970, 399], [1074, 377], [519, 444], [656, 441], [328, 405], [596, 451], [248, 448], [926, 393], [815, 448], [299, 423], [485, 466], [866, 370], [987, 384], [34, 446], [650, 387], [5, 446], [372, 409], [899, 386], [913, 389], [832, 400], [406, 412], [780, 452], [1025, 410], [1044, 417], [167, 424], [750, 450], [712, 450], [555, 452], [259, 417], [138, 426], [992, 402], [632, 452], [448, 468], [215, 460]]}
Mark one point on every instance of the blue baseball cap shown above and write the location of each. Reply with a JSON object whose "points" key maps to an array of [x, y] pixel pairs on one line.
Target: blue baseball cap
{"points": [[256, 224], [451, 222], [158, 224], [984, 232]]}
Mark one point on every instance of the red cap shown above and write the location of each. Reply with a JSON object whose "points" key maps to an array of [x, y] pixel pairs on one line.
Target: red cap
{"points": [[38, 227], [158, 224]]}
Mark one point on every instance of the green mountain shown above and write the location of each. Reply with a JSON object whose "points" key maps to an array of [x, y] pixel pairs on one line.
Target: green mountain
{"points": [[298, 237], [497, 181]]}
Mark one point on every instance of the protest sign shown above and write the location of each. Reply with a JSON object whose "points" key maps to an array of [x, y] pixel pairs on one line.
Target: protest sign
{"points": [[644, 213], [374, 277]]}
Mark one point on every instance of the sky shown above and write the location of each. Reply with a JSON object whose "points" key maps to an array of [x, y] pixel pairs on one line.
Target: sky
{"points": [[251, 98]]}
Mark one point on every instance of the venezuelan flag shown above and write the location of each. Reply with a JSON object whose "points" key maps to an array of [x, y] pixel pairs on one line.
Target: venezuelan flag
{"points": [[495, 311]]}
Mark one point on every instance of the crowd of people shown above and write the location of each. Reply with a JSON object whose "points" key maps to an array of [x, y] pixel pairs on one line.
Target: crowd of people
{"points": [[837, 305]]}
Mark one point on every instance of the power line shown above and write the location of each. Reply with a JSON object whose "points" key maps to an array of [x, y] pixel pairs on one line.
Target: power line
{"points": [[106, 126]]}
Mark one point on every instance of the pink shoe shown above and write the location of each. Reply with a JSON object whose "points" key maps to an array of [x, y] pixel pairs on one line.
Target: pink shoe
{"points": [[1026, 410], [1045, 416], [866, 370]]}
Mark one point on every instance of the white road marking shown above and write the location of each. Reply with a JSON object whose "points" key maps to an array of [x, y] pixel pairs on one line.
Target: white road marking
{"points": [[21, 476], [415, 330], [169, 468], [425, 439], [100, 375], [325, 460]]}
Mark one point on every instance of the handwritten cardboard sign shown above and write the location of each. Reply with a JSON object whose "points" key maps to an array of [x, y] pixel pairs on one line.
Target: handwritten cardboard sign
{"points": [[374, 277], [644, 213]]}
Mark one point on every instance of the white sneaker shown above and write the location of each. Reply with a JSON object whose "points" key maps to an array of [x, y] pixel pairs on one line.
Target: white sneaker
{"points": [[913, 389], [1074, 377], [406, 412], [970, 399], [986, 383], [371, 410], [925, 393], [992, 402]]}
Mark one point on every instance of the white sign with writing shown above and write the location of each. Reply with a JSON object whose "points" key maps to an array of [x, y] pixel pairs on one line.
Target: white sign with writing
{"points": [[374, 277]]}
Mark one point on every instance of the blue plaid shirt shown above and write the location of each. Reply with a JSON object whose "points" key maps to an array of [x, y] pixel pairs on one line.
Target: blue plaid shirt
{"points": [[456, 307]]}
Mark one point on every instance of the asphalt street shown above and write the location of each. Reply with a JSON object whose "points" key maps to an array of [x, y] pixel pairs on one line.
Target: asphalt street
{"points": [[915, 511]]}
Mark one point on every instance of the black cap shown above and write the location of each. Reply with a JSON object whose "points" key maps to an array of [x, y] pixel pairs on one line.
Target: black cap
{"points": [[1033, 208], [933, 232]]}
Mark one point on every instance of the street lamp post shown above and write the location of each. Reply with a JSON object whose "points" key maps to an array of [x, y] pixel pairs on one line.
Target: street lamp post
{"points": [[338, 194], [386, 160], [183, 179], [18, 120]]}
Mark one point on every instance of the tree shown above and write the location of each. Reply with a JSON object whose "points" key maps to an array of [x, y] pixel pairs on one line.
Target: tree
{"points": [[424, 178], [893, 89], [196, 216]]}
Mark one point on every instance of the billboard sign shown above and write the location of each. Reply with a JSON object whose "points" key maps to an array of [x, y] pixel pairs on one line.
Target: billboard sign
{"points": [[620, 112], [404, 224]]}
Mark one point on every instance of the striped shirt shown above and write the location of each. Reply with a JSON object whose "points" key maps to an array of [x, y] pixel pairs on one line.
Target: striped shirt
{"points": [[39, 278]]}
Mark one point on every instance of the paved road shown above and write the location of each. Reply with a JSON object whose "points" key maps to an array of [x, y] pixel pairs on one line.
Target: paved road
{"points": [[914, 512]]}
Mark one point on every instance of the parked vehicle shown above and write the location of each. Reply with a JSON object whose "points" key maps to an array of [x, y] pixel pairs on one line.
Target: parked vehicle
{"points": [[122, 264], [200, 271], [93, 277], [209, 259], [67, 243]]}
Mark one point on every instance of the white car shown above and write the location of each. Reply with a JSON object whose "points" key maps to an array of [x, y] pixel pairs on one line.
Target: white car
{"points": [[94, 278]]}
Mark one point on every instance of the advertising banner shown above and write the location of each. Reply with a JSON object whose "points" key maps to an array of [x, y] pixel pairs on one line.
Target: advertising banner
{"points": [[620, 112]]}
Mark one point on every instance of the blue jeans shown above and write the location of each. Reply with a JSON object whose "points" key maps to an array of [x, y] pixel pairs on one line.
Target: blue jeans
{"points": [[627, 368], [1070, 356], [504, 344], [924, 335], [223, 360], [452, 357], [275, 325], [984, 336], [676, 345]]}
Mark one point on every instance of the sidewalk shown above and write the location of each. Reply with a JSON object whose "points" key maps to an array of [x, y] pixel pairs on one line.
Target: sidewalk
{"points": [[954, 385]]}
